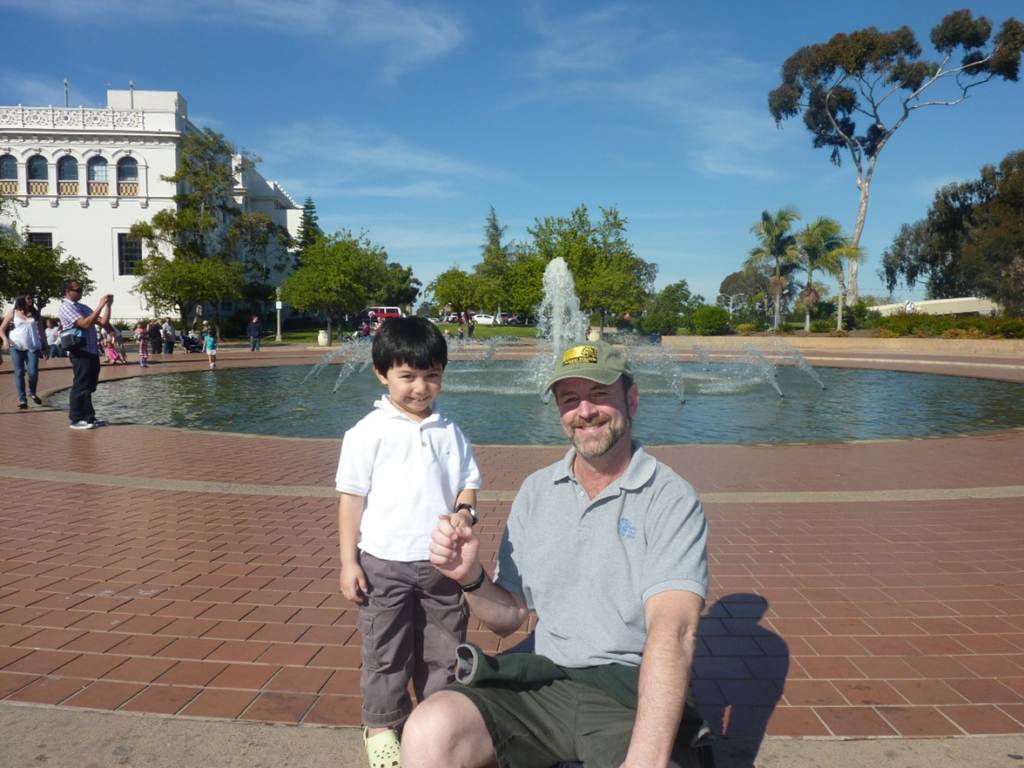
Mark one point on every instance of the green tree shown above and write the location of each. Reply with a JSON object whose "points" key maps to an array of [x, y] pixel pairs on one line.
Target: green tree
{"points": [[36, 269], [309, 231], [495, 255], [453, 287], [881, 77], [607, 272], [820, 242], [201, 228], [834, 262], [400, 288], [670, 309], [523, 284], [339, 275], [748, 290], [970, 240], [776, 244]]}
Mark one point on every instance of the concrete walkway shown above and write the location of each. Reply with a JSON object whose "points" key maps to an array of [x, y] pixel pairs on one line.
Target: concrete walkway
{"points": [[859, 590]]}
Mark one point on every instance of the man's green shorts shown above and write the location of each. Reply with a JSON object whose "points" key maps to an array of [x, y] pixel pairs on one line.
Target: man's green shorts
{"points": [[538, 725]]}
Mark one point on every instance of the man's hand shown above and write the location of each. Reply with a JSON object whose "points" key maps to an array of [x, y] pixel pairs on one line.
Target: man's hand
{"points": [[454, 548], [353, 583]]}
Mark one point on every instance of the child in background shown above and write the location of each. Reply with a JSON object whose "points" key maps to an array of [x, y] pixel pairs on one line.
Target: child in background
{"points": [[210, 346], [401, 467], [142, 336], [53, 339]]}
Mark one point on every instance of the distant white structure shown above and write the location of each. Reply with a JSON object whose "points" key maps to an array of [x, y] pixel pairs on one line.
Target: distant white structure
{"points": [[83, 177], [970, 305]]}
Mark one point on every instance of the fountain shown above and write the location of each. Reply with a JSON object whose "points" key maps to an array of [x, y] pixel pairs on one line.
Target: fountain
{"points": [[498, 400]]}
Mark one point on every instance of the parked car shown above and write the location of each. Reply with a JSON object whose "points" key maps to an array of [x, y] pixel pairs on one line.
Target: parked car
{"points": [[482, 318], [379, 313]]}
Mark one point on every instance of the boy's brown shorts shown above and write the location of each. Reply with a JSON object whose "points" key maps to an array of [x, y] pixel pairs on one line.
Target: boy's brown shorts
{"points": [[562, 721]]}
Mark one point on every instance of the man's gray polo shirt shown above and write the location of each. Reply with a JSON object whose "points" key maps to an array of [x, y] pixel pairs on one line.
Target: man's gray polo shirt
{"points": [[586, 566]]}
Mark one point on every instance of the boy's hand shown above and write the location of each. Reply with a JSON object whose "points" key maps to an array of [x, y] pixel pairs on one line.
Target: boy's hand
{"points": [[454, 548], [353, 583]]}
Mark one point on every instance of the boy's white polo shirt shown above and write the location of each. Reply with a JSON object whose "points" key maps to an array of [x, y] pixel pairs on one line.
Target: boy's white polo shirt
{"points": [[410, 472]]}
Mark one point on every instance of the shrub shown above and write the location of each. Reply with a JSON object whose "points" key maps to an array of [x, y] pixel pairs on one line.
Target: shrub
{"points": [[708, 320], [746, 329], [839, 334], [885, 333], [821, 326], [1012, 329]]}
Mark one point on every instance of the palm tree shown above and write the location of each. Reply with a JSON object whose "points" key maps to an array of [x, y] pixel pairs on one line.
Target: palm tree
{"points": [[778, 245], [817, 241], [831, 261]]}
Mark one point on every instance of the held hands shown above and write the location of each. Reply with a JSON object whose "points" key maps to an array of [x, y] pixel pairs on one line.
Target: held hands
{"points": [[454, 548], [353, 583]]}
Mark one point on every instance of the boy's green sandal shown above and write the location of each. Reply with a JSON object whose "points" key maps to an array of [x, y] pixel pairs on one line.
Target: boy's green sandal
{"points": [[383, 749]]}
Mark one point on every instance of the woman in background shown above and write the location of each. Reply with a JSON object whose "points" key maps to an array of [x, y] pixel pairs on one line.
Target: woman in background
{"points": [[25, 344]]}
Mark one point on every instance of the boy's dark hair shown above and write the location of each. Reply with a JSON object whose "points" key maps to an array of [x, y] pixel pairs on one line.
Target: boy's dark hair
{"points": [[413, 340]]}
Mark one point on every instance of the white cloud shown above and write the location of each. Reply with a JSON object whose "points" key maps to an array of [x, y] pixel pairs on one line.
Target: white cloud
{"points": [[403, 35], [615, 57], [338, 162], [32, 90]]}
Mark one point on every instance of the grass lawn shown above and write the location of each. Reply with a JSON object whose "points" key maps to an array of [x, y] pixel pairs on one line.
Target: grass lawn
{"points": [[309, 336]]}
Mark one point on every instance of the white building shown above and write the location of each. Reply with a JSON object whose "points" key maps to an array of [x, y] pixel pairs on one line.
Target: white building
{"points": [[83, 177]]}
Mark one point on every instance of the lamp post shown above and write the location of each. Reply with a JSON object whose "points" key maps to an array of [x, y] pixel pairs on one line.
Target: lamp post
{"points": [[278, 292]]}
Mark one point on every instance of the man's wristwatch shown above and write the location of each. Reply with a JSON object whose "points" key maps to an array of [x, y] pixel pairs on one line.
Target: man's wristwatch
{"points": [[472, 512]]}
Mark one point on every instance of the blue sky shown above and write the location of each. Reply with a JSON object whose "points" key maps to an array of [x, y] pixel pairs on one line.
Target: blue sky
{"points": [[410, 119]]}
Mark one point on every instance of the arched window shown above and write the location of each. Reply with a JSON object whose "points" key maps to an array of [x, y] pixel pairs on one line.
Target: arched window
{"points": [[127, 176], [8, 175], [38, 176], [67, 176], [98, 176]]}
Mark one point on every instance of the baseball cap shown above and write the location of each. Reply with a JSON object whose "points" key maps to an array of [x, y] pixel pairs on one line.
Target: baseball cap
{"points": [[596, 361]]}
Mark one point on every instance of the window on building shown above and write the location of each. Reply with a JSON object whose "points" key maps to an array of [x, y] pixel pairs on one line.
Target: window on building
{"points": [[44, 239], [67, 176], [98, 177], [127, 176], [38, 176], [8, 175], [129, 253]]}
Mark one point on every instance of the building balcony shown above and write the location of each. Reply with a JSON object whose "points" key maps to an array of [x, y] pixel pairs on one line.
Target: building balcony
{"points": [[99, 188], [39, 187], [8, 187], [128, 188], [67, 187], [72, 118]]}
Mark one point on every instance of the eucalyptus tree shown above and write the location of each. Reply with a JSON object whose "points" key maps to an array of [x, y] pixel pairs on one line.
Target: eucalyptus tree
{"points": [[880, 79], [776, 244], [821, 243], [833, 262]]}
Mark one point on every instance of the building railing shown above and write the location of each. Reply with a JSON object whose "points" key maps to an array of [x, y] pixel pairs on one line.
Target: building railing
{"points": [[99, 188], [39, 187], [80, 117], [8, 187], [67, 187], [128, 188]]}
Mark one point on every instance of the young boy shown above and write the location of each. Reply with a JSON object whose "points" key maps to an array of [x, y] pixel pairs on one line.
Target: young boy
{"points": [[401, 467]]}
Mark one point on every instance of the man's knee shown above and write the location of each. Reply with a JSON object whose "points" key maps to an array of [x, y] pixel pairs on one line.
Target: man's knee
{"points": [[446, 730]]}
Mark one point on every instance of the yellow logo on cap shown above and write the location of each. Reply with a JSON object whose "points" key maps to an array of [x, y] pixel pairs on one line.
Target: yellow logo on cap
{"points": [[581, 354]]}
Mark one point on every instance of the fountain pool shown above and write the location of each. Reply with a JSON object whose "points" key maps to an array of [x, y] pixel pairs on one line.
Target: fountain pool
{"points": [[497, 402]]}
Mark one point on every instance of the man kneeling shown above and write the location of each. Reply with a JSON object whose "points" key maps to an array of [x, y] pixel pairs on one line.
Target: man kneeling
{"points": [[609, 547]]}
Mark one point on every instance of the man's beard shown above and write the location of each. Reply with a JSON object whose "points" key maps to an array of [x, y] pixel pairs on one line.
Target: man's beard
{"points": [[591, 446]]}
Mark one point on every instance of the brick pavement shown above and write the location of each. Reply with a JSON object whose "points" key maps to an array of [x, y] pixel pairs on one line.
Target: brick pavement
{"points": [[859, 589]]}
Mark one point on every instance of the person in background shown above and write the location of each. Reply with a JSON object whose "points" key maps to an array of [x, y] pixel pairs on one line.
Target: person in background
{"points": [[85, 360], [169, 336], [142, 336], [25, 343], [210, 346], [53, 339], [155, 337], [253, 331]]}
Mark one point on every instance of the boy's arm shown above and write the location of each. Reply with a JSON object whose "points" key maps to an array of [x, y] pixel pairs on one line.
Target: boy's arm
{"points": [[466, 496], [353, 580]]}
